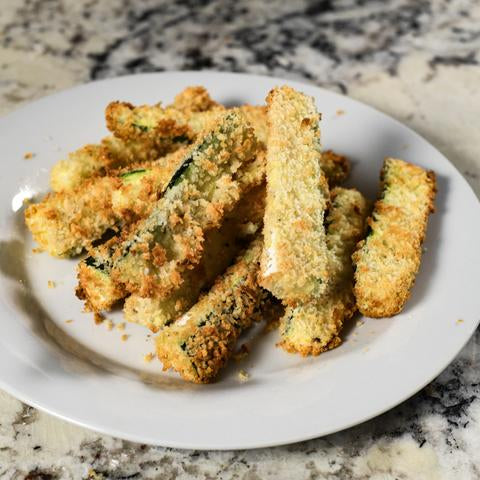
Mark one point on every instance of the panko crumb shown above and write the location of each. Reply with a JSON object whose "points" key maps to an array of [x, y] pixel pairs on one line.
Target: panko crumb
{"points": [[69, 320], [124, 337], [243, 376], [51, 284], [93, 475], [242, 352], [340, 112], [109, 324], [459, 321], [37, 250], [360, 323], [120, 326], [28, 156], [98, 317], [148, 357]]}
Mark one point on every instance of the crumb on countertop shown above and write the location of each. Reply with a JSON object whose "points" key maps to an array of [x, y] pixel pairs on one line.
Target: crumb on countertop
{"points": [[28, 155], [120, 326], [98, 317], [51, 284], [148, 357], [243, 376]]}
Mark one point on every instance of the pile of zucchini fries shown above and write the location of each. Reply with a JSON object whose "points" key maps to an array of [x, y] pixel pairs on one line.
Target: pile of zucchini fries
{"points": [[202, 220]]}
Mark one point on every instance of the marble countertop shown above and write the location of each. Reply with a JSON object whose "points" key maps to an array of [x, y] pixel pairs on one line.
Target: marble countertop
{"points": [[417, 60]]}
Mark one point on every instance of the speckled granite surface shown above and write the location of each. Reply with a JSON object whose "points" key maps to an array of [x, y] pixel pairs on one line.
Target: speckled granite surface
{"points": [[416, 60]]}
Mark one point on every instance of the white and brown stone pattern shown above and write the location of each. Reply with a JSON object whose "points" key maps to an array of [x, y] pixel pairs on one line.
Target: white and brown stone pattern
{"points": [[417, 60]]}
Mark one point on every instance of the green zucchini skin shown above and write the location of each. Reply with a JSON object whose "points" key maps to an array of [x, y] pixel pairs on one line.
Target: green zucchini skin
{"points": [[206, 186], [199, 344]]}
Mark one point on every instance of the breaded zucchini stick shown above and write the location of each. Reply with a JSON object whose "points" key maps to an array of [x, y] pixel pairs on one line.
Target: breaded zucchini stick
{"points": [[170, 241], [156, 125], [257, 117], [111, 154], [310, 328], [221, 247], [177, 126], [81, 164], [335, 167], [200, 343], [64, 223], [387, 261], [104, 291], [194, 99], [95, 284], [295, 258]]}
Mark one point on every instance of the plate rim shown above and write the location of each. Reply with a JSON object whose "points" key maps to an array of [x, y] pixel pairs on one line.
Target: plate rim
{"points": [[209, 446]]}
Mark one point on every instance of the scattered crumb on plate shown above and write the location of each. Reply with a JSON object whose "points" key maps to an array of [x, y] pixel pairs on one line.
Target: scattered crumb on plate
{"points": [[148, 357], [69, 320], [120, 326], [340, 112], [124, 337], [28, 156], [459, 321], [51, 284], [243, 376], [109, 324], [37, 250], [360, 323], [98, 317]]}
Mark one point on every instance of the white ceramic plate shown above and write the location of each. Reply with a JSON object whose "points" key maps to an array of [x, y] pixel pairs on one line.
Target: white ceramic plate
{"points": [[84, 373]]}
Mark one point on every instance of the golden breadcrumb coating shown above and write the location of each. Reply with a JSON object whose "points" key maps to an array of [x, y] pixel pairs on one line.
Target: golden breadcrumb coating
{"points": [[81, 164], [387, 261], [98, 160], [194, 99], [199, 344], [66, 222], [95, 285], [294, 261], [170, 241], [257, 117], [313, 327], [335, 167], [220, 248]]}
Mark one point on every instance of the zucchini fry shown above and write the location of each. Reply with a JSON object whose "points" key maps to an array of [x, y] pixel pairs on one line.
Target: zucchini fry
{"points": [[295, 258], [257, 117], [194, 99], [174, 128], [81, 164], [170, 241], [335, 167], [388, 260], [112, 153], [221, 247], [153, 123], [200, 343], [313, 327], [95, 284], [64, 223]]}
